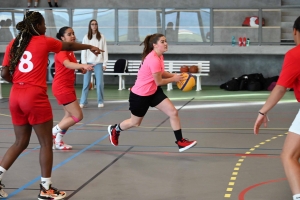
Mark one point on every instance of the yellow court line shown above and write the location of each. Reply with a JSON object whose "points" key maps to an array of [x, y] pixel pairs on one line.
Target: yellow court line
{"points": [[233, 177]]}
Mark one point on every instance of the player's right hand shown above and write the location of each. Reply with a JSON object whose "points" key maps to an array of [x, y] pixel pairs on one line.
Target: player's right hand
{"points": [[96, 50]]}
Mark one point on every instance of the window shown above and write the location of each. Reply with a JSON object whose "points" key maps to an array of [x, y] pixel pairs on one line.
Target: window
{"points": [[135, 25], [104, 17]]}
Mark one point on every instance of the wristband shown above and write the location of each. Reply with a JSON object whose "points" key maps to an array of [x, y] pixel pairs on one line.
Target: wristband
{"points": [[261, 113]]}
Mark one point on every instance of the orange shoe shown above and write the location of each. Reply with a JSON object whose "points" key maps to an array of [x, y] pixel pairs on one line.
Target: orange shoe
{"points": [[52, 193]]}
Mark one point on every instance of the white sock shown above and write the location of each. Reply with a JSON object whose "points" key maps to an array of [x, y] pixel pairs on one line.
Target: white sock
{"points": [[46, 182], [59, 137], [56, 130], [2, 171], [28, 4], [35, 4], [296, 197]]}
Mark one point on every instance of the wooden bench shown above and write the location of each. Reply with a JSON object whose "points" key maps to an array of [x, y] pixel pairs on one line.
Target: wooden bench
{"points": [[174, 66], [170, 66]]}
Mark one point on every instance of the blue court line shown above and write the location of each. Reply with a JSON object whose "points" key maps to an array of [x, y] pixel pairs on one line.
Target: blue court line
{"points": [[38, 178], [66, 160]]}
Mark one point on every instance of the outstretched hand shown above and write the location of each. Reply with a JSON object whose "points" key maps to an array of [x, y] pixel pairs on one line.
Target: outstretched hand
{"points": [[96, 50]]}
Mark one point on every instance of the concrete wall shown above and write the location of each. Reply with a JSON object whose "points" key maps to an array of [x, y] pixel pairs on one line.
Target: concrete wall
{"points": [[150, 3]]}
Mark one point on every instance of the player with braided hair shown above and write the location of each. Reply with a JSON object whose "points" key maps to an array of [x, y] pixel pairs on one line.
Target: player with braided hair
{"points": [[24, 65]]}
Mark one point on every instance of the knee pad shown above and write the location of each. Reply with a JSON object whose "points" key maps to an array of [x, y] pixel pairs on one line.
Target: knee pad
{"points": [[75, 119]]}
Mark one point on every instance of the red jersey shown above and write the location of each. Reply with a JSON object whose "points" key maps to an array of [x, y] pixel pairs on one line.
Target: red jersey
{"points": [[290, 73], [32, 67], [63, 82]]}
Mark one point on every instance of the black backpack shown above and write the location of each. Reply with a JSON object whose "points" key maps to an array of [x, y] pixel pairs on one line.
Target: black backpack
{"points": [[251, 82], [231, 85], [121, 66]]}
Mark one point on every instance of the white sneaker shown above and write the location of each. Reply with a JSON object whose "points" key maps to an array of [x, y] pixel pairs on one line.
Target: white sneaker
{"points": [[61, 146], [100, 105], [82, 105], [2, 193]]}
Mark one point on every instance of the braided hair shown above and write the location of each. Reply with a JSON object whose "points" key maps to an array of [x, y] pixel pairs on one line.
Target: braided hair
{"points": [[148, 43], [27, 29]]}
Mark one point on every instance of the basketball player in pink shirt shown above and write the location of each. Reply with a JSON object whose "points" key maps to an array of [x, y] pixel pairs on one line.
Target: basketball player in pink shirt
{"points": [[147, 92], [25, 65]]}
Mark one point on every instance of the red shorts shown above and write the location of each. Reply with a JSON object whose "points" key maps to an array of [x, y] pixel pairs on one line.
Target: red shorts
{"points": [[67, 98], [29, 105]]}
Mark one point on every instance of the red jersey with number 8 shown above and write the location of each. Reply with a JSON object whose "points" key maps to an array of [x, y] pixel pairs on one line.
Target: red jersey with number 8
{"points": [[32, 68]]}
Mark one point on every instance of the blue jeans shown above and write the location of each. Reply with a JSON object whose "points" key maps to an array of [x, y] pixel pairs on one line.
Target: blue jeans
{"points": [[98, 70]]}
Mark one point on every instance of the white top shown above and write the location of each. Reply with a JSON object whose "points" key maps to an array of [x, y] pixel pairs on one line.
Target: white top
{"points": [[88, 57]]}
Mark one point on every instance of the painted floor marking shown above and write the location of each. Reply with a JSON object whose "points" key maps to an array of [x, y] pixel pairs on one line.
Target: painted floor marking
{"points": [[239, 164]]}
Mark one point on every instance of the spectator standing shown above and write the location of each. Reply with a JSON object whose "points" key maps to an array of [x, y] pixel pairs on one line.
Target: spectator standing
{"points": [[55, 3], [95, 38], [35, 3]]}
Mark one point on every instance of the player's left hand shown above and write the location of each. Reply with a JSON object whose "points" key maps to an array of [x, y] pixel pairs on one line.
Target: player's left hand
{"points": [[261, 119]]}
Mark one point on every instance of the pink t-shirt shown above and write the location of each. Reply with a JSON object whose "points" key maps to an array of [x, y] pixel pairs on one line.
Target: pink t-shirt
{"points": [[145, 84]]}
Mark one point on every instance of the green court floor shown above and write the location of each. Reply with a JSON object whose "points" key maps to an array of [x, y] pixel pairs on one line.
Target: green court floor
{"points": [[208, 93]]}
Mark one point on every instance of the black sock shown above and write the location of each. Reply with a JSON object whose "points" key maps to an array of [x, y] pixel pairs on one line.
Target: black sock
{"points": [[178, 134], [55, 4], [50, 5], [118, 128]]}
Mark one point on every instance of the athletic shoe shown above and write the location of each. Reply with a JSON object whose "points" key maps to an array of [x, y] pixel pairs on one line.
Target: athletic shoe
{"points": [[82, 105], [185, 144], [244, 41], [100, 105], [113, 135], [52, 193], [61, 146], [2, 193], [240, 41]]}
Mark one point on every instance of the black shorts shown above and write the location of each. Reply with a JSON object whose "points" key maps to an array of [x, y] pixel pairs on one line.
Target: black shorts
{"points": [[139, 105]]}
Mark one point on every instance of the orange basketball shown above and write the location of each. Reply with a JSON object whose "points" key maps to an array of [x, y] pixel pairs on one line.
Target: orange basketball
{"points": [[184, 68], [194, 69], [187, 83]]}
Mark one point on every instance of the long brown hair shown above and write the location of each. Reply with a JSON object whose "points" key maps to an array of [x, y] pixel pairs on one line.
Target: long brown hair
{"points": [[90, 32], [148, 43], [27, 29]]}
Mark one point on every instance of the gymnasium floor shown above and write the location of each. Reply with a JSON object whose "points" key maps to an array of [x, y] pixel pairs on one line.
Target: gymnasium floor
{"points": [[229, 161]]}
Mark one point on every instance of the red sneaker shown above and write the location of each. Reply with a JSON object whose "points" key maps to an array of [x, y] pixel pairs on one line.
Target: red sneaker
{"points": [[244, 41], [240, 41], [113, 135], [185, 144]]}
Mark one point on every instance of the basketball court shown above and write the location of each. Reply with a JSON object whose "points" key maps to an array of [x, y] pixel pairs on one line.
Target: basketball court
{"points": [[229, 161]]}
